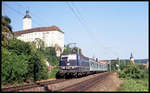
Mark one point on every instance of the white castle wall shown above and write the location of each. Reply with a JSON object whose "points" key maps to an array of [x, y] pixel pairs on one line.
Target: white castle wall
{"points": [[50, 38]]}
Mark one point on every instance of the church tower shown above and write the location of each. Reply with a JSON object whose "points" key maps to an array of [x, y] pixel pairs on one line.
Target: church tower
{"points": [[131, 58], [27, 21]]}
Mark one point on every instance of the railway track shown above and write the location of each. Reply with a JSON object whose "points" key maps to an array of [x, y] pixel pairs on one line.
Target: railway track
{"points": [[84, 85], [81, 86], [33, 85]]}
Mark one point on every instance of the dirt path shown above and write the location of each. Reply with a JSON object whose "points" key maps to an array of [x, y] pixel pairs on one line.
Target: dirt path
{"points": [[110, 83]]}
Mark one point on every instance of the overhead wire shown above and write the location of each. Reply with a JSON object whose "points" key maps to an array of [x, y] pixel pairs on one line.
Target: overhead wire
{"points": [[90, 33], [83, 22], [77, 16], [79, 19], [88, 29], [75, 12]]}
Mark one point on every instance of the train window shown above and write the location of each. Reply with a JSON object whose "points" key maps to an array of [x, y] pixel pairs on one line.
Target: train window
{"points": [[69, 57], [64, 58]]}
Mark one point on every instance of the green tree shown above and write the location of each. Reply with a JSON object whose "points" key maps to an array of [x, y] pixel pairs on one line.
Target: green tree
{"points": [[52, 51], [67, 50], [124, 64], [21, 60], [141, 66], [37, 68], [50, 54], [33, 46], [131, 71], [76, 50], [39, 44], [6, 30], [21, 63], [113, 65], [14, 67], [6, 24], [19, 47]]}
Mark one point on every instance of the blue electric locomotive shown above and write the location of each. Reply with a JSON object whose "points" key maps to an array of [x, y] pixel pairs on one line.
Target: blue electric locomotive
{"points": [[78, 65]]}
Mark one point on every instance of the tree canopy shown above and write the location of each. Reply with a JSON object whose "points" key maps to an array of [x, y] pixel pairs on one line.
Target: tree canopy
{"points": [[6, 24]]}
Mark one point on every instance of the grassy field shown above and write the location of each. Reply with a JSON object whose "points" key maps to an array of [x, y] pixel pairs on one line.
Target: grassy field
{"points": [[138, 85]]}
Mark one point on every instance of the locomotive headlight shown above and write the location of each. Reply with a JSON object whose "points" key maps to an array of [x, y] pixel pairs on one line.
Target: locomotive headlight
{"points": [[62, 67], [68, 64]]}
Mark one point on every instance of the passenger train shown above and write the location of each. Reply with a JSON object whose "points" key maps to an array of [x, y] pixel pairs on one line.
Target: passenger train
{"points": [[78, 65]]}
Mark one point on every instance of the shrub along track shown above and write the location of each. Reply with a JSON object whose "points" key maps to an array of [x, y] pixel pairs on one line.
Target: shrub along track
{"points": [[33, 85], [84, 85]]}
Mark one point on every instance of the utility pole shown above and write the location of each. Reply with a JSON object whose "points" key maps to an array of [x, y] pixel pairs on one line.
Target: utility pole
{"points": [[78, 50], [110, 65], [118, 64]]}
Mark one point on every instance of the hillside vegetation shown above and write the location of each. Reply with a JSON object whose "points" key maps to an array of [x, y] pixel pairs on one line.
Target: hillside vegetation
{"points": [[22, 61], [135, 78]]}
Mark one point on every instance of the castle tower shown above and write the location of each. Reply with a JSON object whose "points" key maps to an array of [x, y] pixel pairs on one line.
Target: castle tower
{"points": [[131, 58], [27, 21]]}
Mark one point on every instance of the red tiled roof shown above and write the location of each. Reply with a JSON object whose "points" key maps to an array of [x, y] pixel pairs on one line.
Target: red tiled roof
{"points": [[103, 62], [92, 59], [39, 29]]}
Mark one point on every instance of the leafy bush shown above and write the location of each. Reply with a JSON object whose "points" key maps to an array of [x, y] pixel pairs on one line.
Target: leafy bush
{"points": [[141, 66], [19, 47], [14, 67], [37, 68], [20, 62], [53, 73], [113, 65], [135, 78], [131, 71], [67, 50], [138, 85], [50, 54]]}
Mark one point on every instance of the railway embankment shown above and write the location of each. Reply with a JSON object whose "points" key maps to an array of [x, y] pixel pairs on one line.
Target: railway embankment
{"points": [[62, 85], [97, 82]]}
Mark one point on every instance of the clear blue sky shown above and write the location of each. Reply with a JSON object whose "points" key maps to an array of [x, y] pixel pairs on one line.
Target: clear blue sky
{"points": [[108, 29]]}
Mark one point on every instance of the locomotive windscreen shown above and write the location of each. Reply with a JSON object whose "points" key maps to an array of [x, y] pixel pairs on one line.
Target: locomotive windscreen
{"points": [[68, 57], [64, 58]]}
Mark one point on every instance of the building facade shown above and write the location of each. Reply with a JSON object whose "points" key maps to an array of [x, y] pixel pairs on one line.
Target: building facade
{"points": [[52, 35]]}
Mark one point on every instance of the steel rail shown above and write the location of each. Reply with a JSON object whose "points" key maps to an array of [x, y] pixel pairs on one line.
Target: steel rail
{"points": [[85, 84]]}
